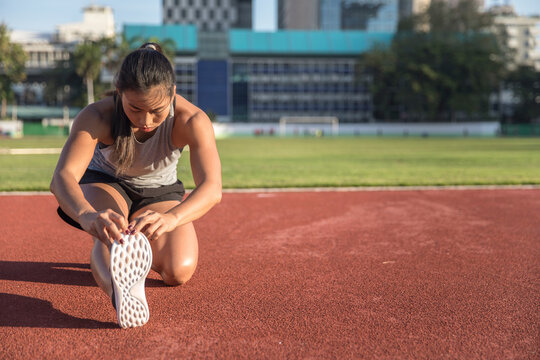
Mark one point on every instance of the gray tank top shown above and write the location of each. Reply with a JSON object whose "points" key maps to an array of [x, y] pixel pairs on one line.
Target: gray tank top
{"points": [[154, 163]]}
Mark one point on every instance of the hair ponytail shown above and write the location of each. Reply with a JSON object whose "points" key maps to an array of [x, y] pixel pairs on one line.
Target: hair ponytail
{"points": [[141, 70]]}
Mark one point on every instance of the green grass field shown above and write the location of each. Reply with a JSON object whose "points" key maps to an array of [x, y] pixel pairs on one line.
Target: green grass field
{"points": [[309, 162]]}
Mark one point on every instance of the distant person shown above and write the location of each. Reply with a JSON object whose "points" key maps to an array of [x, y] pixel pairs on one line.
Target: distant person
{"points": [[116, 179]]}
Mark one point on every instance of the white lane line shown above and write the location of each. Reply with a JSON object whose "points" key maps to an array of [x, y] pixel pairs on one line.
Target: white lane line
{"points": [[330, 189], [35, 151], [384, 188]]}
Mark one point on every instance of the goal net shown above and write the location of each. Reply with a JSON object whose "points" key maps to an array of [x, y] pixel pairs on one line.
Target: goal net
{"points": [[305, 121]]}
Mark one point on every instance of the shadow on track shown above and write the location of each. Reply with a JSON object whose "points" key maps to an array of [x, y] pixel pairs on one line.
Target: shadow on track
{"points": [[24, 311], [54, 273]]}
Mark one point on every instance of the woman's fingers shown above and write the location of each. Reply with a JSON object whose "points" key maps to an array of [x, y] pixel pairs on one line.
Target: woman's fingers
{"points": [[101, 233], [120, 221], [151, 231], [106, 225], [107, 220], [147, 217], [150, 223]]}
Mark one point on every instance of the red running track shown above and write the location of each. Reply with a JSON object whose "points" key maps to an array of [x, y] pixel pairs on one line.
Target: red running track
{"points": [[345, 275]]}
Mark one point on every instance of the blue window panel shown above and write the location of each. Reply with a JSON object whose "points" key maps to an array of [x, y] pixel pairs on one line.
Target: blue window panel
{"points": [[212, 80]]}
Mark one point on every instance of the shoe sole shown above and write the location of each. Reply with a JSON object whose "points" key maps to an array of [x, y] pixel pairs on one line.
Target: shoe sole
{"points": [[130, 264]]}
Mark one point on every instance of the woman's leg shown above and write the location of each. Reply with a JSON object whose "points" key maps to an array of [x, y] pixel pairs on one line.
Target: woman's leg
{"points": [[175, 253], [101, 197]]}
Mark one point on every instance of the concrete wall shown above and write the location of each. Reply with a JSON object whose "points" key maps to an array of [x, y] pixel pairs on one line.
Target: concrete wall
{"points": [[378, 129]]}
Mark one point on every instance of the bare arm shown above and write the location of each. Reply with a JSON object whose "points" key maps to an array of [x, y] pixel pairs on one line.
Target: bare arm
{"points": [[206, 169], [76, 155]]}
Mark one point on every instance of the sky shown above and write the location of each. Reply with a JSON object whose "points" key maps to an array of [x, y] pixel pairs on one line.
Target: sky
{"points": [[44, 15]]}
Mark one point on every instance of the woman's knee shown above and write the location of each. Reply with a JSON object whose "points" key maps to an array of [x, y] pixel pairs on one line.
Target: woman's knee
{"points": [[179, 273]]}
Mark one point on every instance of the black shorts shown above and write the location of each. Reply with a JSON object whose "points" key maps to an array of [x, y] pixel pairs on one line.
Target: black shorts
{"points": [[136, 198]]}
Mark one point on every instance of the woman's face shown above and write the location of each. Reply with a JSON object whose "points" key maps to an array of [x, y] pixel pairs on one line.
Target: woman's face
{"points": [[146, 110]]}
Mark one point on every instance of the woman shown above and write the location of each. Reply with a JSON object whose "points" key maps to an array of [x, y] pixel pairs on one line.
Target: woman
{"points": [[116, 179]]}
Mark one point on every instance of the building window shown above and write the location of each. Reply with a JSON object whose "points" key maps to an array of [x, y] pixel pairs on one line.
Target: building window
{"points": [[169, 13]]}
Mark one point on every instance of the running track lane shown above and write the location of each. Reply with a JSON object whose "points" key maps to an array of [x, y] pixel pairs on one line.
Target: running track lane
{"points": [[398, 274]]}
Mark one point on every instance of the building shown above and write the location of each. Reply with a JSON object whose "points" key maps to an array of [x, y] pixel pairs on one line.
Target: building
{"points": [[520, 35], [43, 54], [299, 73], [412, 7], [46, 50], [98, 22], [298, 14], [209, 15], [480, 3], [263, 76], [370, 15], [365, 15]]}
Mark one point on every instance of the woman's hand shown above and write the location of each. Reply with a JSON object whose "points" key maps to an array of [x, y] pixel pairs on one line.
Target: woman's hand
{"points": [[105, 225], [153, 224]]}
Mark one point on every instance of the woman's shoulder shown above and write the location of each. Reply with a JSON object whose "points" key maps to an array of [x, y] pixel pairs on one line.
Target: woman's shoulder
{"points": [[185, 111], [96, 118], [189, 121]]}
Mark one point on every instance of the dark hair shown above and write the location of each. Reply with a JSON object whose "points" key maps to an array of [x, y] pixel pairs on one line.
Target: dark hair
{"points": [[141, 70]]}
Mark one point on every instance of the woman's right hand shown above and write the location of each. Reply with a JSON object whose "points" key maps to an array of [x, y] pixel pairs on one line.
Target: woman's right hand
{"points": [[106, 225]]}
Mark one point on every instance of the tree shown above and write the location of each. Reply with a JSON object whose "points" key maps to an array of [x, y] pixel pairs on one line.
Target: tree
{"points": [[524, 82], [380, 64], [116, 52], [442, 65], [442, 17], [88, 63], [12, 68], [64, 85]]}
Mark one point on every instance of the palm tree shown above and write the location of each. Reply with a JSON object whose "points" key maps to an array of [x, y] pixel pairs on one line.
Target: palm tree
{"points": [[12, 59], [115, 53], [88, 63]]}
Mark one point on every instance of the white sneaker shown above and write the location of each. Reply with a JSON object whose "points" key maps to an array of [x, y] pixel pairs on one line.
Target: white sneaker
{"points": [[130, 264]]}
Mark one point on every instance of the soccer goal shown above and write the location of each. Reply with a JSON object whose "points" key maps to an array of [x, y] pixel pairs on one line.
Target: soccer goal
{"points": [[308, 120]]}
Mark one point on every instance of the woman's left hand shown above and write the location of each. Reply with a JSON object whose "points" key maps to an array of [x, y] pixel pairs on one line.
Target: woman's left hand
{"points": [[152, 224]]}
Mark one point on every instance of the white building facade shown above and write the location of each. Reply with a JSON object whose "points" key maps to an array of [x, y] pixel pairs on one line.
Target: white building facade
{"points": [[98, 23], [46, 50], [521, 37]]}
